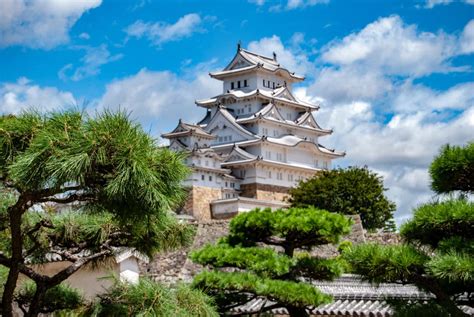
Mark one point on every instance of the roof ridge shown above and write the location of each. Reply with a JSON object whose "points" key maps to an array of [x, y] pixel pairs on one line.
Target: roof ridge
{"points": [[259, 55]]}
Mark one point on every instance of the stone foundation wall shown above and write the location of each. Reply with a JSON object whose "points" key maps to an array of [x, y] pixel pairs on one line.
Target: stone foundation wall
{"points": [[173, 267], [264, 191], [198, 203]]}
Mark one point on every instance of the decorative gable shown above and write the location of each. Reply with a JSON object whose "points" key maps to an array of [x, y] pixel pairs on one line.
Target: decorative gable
{"points": [[238, 154], [238, 62], [286, 94], [273, 113]]}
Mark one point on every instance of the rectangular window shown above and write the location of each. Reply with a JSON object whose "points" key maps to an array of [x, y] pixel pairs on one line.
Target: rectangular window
{"points": [[290, 177], [269, 174], [232, 185], [238, 84], [206, 163], [232, 85], [210, 178], [273, 85], [250, 109], [245, 83], [220, 139], [226, 184], [202, 177], [230, 138], [264, 83]]}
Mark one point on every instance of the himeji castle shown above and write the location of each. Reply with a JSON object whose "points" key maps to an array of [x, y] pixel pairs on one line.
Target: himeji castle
{"points": [[255, 142]]}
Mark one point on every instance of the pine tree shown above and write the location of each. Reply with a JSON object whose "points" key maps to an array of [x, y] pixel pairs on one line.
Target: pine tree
{"points": [[438, 250], [80, 187], [268, 251]]}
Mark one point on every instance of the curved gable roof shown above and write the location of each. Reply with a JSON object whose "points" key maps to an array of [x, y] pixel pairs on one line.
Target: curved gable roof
{"points": [[223, 113]]}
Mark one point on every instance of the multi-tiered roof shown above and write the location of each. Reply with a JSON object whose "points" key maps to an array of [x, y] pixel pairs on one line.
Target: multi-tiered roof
{"points": [[257, 99]]}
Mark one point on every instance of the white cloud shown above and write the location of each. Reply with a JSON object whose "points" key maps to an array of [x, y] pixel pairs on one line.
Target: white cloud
{"points": [[295, 59], [395, 48], [400, 150], [295, 4], [84, 36], [410, 98], [467, 38], [94, 58], [161, 32], [380, 116], [432, 3], [257, 2], [350, 83], [23, 94], [161, 96], [40, 23]]}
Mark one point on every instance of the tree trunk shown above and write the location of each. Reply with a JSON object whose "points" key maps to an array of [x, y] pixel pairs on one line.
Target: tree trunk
{"points": [[442, 298], [297, 311], [37, 301], [16, 259]]}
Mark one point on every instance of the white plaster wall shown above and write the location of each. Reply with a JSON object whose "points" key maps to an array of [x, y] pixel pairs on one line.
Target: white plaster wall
{"points": [[89, 282], [271, 79], [129, 270], [233, 206], [251, 82], [214, 182], [244, 108]]}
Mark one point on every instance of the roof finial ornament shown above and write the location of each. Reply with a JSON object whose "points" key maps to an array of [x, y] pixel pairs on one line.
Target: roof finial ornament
{"points": [[239, 45], [274, 56]]}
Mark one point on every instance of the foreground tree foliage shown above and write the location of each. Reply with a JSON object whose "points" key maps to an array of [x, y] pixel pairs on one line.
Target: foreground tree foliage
{"points": [[268, 251], [437, 256], [438, 250], [349, 191], [453, 169], [116, 184], [150, 299]]}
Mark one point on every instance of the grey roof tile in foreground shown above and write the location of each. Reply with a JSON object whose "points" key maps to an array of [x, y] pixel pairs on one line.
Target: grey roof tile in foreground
{"points": [[352, 297]]}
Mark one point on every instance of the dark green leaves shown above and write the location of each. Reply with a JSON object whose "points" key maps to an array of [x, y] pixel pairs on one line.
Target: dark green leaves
{"points": [[391, 263], [150, 299], [453, 169], [265, 261], [348, 191], [284, 292], [265, 248], [434, 222], [297, 227]]}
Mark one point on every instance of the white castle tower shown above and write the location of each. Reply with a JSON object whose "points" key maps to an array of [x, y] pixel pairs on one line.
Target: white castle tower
{"points": [[255, 142]]}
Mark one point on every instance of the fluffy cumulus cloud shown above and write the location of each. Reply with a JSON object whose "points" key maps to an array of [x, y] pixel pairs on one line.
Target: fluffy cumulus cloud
{"points": [[295, 58], [467, 38], [383, 116], [161, 96], [395, 48], [23, 95], [40, 23], [161, 32], [94, 58]]}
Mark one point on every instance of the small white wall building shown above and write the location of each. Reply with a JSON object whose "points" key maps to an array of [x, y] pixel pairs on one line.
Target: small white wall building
{"points": [[92, 281], [256, 141]]}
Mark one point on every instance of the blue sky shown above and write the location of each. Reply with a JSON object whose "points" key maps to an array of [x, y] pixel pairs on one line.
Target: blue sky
{"points": [[394, 78]]}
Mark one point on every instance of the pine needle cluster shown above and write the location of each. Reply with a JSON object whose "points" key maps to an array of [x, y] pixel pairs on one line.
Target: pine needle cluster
{"points": [[266, 255]]}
